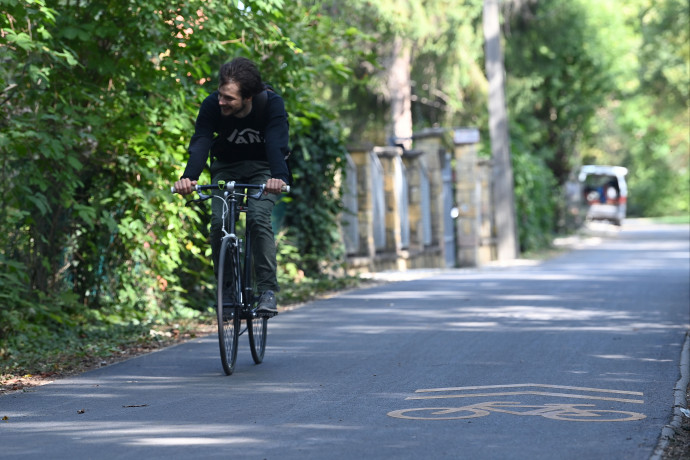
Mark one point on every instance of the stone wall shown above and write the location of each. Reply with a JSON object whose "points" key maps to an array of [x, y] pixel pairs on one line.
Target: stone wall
{"points": [[429, 207]]}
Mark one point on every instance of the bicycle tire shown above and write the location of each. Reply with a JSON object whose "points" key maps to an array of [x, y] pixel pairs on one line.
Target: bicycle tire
{"points": [[438, 413], [609, 416], [256, 324], [228, 309]]}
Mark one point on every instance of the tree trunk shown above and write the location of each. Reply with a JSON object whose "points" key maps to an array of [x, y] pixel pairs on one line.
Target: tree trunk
{"points": [[503, 188], [400, 88]]}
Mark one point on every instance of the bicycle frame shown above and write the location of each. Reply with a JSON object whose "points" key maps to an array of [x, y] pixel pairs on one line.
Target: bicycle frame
{"points": [[230, 217]]}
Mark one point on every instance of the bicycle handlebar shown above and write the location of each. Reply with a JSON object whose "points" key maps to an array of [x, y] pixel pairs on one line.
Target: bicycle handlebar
{"points": [[231, 186]]}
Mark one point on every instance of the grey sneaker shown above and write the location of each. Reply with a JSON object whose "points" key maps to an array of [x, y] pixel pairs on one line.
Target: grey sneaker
{"points": [[267, 303]]}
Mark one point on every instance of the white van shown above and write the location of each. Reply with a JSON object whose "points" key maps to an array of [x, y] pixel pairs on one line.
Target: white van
{"points": [[605, 192]]}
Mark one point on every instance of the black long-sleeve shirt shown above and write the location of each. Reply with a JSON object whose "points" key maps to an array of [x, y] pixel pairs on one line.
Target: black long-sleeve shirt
{"points": [[258, 136]]}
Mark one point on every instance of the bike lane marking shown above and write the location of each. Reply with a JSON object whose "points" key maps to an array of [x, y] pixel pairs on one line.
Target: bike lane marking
{"points": [[563, 412], [569, 412], [530, 392]]}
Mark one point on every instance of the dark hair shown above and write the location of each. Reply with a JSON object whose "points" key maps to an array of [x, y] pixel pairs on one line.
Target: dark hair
{"points": [[243, 72]]}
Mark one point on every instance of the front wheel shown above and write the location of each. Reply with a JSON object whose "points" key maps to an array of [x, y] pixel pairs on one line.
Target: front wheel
{"points": [[229, 302]]}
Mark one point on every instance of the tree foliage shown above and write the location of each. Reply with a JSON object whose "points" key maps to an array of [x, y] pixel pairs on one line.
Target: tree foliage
{"points": [[448, 86], [563, 60], [99, 100], [593, 82], [644, 126]]}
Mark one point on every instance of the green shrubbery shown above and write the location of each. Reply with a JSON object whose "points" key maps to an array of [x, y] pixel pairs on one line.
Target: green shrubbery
{"points": [[98, 106]]}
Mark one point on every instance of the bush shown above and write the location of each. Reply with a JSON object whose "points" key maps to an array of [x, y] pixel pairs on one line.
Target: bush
{"points": [[536, 193]]}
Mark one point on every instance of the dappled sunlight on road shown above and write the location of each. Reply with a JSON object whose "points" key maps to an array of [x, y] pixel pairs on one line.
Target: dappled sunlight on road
{"points": [[148, 433], [514, 318], [569, 293], [633, 358], [513, 303], [186, 441], [531, 313]]}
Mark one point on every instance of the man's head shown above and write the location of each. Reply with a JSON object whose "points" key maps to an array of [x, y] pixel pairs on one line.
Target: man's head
{"points": [[238, 82], [244, 73]]}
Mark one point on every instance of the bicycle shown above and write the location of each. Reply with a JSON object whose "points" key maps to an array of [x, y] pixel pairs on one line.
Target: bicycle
{"points": [[235, 297]]}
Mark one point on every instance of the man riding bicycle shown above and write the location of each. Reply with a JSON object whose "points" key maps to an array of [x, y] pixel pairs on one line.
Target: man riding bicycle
{"points": [[245, 128]]}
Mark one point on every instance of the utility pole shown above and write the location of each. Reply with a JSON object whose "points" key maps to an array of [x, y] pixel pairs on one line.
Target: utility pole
{"points": [[502, 177]]}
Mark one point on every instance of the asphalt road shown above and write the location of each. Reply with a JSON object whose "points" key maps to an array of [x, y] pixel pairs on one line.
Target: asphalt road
{"points": [[573, 358]]}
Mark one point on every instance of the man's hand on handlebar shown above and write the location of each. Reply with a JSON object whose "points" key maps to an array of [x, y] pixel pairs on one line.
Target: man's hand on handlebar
{"points": [[185, 186], [274, 186]]}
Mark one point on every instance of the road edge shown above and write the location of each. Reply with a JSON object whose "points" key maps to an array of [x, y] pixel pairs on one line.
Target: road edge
{"points": [[679, 390]]}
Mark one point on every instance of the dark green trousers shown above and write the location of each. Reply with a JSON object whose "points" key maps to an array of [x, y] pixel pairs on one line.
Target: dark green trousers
{"points": [[258, 219]]}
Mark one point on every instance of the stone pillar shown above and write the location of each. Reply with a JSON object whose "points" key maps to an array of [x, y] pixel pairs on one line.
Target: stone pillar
{"points": [[387, 157], [431, 142], [467, 197], [349, 220], [487, 230], [411, 159], [367, 251]]}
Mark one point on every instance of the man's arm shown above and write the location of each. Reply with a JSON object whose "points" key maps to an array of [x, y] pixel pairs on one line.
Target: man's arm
{"points": [[202, 140], [277, 138]]}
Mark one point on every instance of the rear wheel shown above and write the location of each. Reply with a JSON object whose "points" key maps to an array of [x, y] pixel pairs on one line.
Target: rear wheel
{"points": [[256, 324], [258, 331], [229, 301]]}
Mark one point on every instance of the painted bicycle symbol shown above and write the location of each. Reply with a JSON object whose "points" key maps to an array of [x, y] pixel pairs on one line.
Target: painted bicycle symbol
{"points": [[568, 412]]}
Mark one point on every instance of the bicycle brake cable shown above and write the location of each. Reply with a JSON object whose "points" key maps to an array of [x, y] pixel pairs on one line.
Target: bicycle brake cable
{"points": [[225, 213]]}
